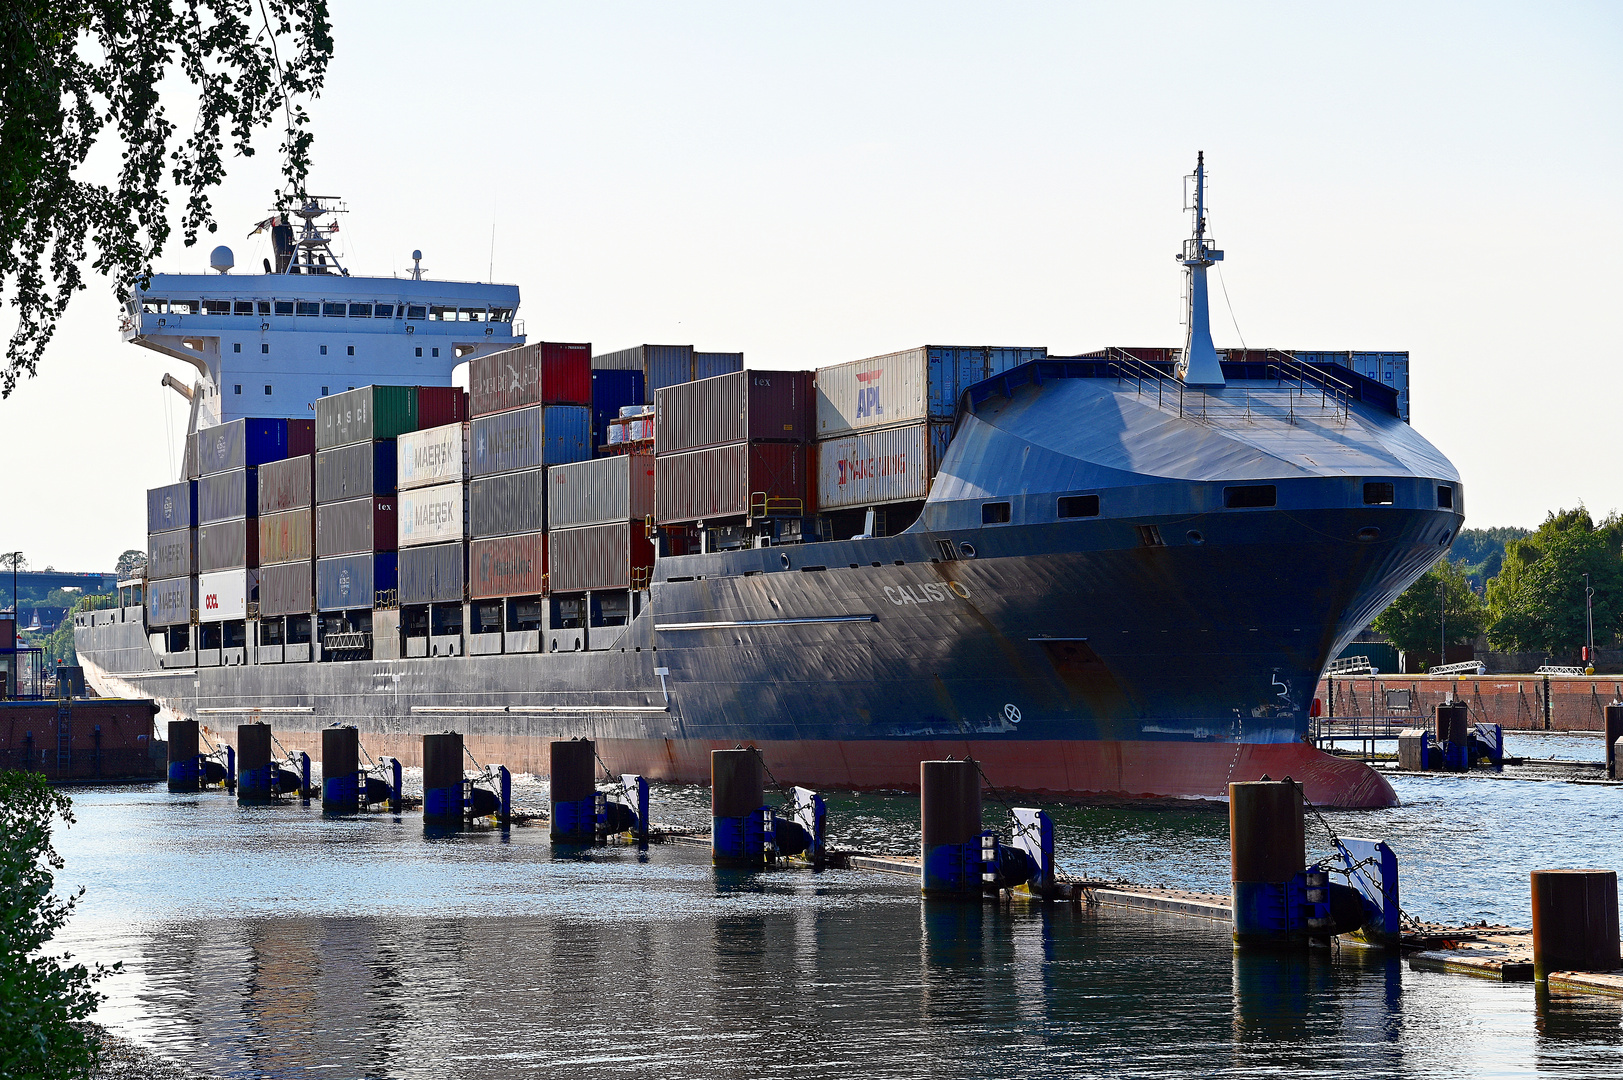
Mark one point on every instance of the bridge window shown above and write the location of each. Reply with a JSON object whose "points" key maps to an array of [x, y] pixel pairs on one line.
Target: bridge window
{"points": [[436, 313], [244, 307], [473, 314], [352, 350], [1445, 497], [1077, 506], [264, 307], [183, 307], [267, 389], [416, 311], [333, 309], [1378, 495], [324, 350], [216, 307], [154, 305], [307, 307], [383, 311], [284, 307], [360, 311], [995, 513], [1249, 498], [501, 314]]}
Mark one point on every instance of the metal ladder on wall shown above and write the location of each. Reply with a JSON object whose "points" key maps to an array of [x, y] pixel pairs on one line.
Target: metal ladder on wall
{"points": [[64, 740]]}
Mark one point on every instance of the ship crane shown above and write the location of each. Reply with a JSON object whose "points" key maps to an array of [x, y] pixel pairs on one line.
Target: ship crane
{"points": [[1199, 365]]}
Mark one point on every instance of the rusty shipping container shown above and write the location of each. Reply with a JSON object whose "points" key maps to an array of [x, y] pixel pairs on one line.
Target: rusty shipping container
{"points": [[287, 589], [529, 438], [539, 373], [227, 545], [872, 468], [432, 456], [507, 566], [287, 537], [227, 495], [287, 484], [598, 557], [743, 406], [600, 491], [907, 386], [507, 503], [226, 594], [172, 554], [348, 582], [726, 482], [348, 472], [365, 415], [433, 515], [434, 574], [173, 506], [240, 444], [356, 526], [171, 602]]}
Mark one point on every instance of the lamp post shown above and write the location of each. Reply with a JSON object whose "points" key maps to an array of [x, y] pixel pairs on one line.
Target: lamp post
{"points": [[1442, 621], [16, 557], [1589, 620]]}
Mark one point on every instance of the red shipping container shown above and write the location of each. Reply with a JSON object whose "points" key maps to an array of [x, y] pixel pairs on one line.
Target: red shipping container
{"points": [[507, 566], [438, 405], [727, 482], [541, 373], [301, 438], [766, 406]]}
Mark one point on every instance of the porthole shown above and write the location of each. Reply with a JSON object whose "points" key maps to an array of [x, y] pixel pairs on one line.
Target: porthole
{"points": [[783, 557], [967, 549], [1365, 535], [1195, 537]]}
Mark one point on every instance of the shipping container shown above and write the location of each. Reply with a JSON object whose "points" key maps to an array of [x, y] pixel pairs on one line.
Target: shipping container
{"points": [[348, 582], [600, 491], [878, 467], [172, 554], [356, 526], [226, 594], [171, 602], [507, 503], [224, 496], [529, 438], [434, 574], [440, 405], [725, 482], [287, 537], [661, 365], [540, 373], [746, 405], [433, 515], [287, 485], [365, 414], [598, 557], [507, 566], [348, 472], [301, 438], [707, 365], [241, 444], [907, 386], [613, 390], [287, 589], [228, 545], [173, 506], [432, 456], [1387, 368]]}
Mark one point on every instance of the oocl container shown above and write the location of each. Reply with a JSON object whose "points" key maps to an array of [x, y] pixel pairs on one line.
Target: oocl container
{"points": [[227, 545], [907, 386], [287, 485], [434, 574], [600, 491], [598, 557], [365, 414], [348, 582], [227, 495], [348, 472], [528, 438], [432, 515], [877, 467], [507, 566], [240, 444], [172, 554], [539, 373], [287, 589], [173, 506], [741, 480], [432, 456], [356, 526], [287, 537], [507, 503], [226, 594], [171, 602], [745, 405]]}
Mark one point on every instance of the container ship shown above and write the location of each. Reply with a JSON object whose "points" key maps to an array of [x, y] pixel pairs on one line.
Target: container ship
{"points": [[1115, 575]]}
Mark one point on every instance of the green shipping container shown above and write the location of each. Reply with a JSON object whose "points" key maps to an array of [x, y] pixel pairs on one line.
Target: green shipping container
{"points": [[365, 414]]}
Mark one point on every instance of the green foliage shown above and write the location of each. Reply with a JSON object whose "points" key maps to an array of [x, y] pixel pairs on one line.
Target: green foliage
{"points": [[75, 74], [1413, 623], [1537, 601], [1482, 551], [58, 644], [42, 997], [133, 559]]}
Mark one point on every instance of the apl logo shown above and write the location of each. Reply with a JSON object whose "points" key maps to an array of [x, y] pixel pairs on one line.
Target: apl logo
{"points": [[868, 394]]}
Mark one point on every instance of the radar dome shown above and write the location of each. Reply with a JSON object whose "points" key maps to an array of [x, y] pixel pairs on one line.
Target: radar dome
{"points": [[418, 254], [222, 259]]}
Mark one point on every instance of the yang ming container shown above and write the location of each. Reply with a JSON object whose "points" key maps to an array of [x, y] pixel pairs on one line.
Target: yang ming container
{"points": [[432, 515], [171, 602], [877, 467], [228, 545], [287, 537], [354, 581], [599, 557], [507, 503], [348, 472], [365, 414], [746, 405], [226, 594], [540, 373], [287, 485], [173, 506], [600, 491], [241, 444], [227, 495], [528, 438], [287, 589], [356, 526], [727, 482], [434, 574], [612, 390], [507, 566], [907, 386], [172, 554], [432, 456]]}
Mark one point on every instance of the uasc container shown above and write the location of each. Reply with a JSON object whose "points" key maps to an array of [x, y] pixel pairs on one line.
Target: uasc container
{"points": [[507, 503], [600, 491], [227, 495], [741, 480], [172, 554], [287, 485], [173, 506], [349, 582], [287, 536], [356, 526], [365, 414], [226, 594], [528, 438], [507, 566], [599, 557], [240, 444], [227, 545], [432, 456], [433, 515], [745, 405], [884, 466], [348, 472], [434, 574], [287, 589], [539, 373], [171, 602]]}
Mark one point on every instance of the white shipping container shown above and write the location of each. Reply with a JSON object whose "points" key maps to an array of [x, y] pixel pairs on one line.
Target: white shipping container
{"points": [[879, 467], [432, 456], [225, 595], [432, 515], [873, 393]]}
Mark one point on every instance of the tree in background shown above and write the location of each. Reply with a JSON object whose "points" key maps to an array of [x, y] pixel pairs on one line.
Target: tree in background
{"points": [[1414, 622], [78, 73], [58, 645], [1536, 604], [132, 560], [1482, 551]]}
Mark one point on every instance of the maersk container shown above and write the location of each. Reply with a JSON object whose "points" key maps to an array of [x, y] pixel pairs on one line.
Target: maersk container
{"points": [[348, 472], [228, 545], [365, 414], [600, 491], [528, 438], [173, 506], [878, 467], [507, 503], [707, 365], [171, 602], [746, 405], [172, 554], [433, 515], [612, 390], [907, 386], [440, 405], [598, 557], [226, 594], [240, 444], [286, 537], [228, 495], [287, 589], [540, 373], [287, 485], [356, 526], [726, 482], [349, 582], [661, 365], [434, 574], [507, 566], [432, 456]]}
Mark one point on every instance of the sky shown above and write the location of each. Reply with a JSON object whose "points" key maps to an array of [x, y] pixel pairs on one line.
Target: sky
{"points": [[819, 183]]}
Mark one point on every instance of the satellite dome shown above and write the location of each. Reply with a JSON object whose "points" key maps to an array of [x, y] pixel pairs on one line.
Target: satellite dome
{"points": [[418, 254], [222, 259]]}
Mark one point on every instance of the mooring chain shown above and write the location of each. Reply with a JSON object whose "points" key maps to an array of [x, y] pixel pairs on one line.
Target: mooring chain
{"points": [[1353, 868], [1016, 826]]}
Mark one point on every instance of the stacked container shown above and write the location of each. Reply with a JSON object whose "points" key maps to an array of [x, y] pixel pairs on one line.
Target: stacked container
{"points": [[287, 549], [669, 365], [229, 458], [171, 591], [355, 505], [432, 471], [597, 517], [613, 391]]}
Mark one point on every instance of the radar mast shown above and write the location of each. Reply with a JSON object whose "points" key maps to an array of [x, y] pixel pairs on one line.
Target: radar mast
{"points": [[1199, 365]]}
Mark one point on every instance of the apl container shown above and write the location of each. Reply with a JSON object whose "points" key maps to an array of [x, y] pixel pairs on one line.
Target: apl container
{"points": [[507, 503], [433, 515], [726, 482], [287, 589], [227, 495], [746, 405], [877, 467], [171, 602], [365, 414], [356, 526], [349, 582], [434, 574], [601, 491], [507, 566], [172, 554], [432, 456], [240, 444], [287, 485], [287, 537], [226, 594], [612, 390], [228, 545], [540, 373], [661, 365], [598, 557], [528, 438], [173, 506], [907, 386], [348, 472]]}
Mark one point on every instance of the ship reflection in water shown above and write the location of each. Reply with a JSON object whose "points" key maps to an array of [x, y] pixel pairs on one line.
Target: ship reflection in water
{"points": [[270, 943]]}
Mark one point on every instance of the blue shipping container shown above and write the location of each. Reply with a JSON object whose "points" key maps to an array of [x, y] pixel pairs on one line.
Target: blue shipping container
{"points": [[668, 365], [348, 582], [173, 506], [529, 438], [246, 443], [611, 392], [707, 365]]}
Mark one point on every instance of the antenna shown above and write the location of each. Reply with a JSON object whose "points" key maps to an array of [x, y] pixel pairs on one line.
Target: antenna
{"points": [[417, 265], [1199, 365], [490, 272]]}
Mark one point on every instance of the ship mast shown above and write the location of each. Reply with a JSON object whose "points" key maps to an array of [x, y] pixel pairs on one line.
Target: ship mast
{"points": [[1199, 365]]}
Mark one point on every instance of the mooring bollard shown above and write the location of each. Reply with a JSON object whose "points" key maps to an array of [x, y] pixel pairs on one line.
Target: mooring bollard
{"points": [[1267, 850], [185, 765], [1614, 732], [442, 779], [737, 835], [950, 820], [256, 772], [1453, 735], [340, 770], [1574, 921], [574, 791]]}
